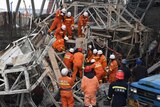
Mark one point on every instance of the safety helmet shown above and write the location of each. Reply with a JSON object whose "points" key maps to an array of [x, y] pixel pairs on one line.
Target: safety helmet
{"points": [[87, 69], [85, 14], [138, 61], [71, 50], [64, 71], [124, 61], [68, 14], [90, 46], [112, 56], [100, 52], [63, 10], [63, 27], [93, 60], [120, 74], [94, 51], [80, 49]]}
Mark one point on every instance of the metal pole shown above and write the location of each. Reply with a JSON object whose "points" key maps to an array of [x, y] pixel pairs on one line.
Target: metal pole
{"points": [[42, 6], [17, 7], [33, 8], [8, 7], [11, 5]]}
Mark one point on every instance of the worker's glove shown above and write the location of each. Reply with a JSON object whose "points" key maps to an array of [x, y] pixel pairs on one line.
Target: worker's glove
{"points": [[66, 38], [107, 69], [83, 68], [86, 27], [62, 14], [72, 27], [82, 93]]}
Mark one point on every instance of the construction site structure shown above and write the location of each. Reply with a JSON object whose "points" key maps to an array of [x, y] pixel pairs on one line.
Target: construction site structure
{"points": [[31, 62]]}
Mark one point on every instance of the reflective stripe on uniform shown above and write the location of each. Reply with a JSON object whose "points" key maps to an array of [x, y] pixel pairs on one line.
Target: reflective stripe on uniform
{"points": [[67, 56], [119, 87], [98, 65]]}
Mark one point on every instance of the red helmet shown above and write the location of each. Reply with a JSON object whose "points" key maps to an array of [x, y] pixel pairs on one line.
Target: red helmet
{"points": [[120, 75], [87, 69], [80, 49]]}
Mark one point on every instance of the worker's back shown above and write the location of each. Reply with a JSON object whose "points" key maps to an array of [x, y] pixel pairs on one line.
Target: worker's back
{"points": [[139, 72], [78, 58], [90, 85]]}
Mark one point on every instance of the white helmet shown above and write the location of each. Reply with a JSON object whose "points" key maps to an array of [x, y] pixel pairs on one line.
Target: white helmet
{"points": [[100, 52], [64, 71], [71, 50], [85, 14], [112, 56], [68, 14], [63, 27], [90, 46], [93, 60], [63, 10], [94, 51]]}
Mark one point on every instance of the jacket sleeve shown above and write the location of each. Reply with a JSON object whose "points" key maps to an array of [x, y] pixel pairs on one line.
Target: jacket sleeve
{"points": [[110, 92], [92, 66], [81, 21], [72, 21]]}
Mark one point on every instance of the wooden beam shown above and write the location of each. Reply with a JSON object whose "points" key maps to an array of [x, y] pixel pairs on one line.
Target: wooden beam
{"points": [[54, 63]]}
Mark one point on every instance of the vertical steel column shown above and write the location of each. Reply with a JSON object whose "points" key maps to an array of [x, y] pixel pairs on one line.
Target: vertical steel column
{"points": [[33, 8], [8, 7], [17, 7], [42, 7]]}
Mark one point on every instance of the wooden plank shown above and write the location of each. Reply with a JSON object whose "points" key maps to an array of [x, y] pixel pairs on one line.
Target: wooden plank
{"points": [[54, 63]]}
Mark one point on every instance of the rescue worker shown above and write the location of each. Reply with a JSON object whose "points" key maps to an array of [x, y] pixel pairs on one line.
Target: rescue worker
{"points": [[95, 55], [113, 68], [89, 86], [89, 54], [69, 22], [60, 32], [83, 19], [78, 58], [99, 71], [58, 45], [68, 59], [125, 69], [139, 71], [65, 84], [102, 59], [118, 91], [58, 20]]}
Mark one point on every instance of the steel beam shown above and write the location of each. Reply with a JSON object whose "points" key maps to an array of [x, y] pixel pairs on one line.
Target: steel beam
{"points": [[33, 8], [8, 5], [17, 7], [42, 7]]}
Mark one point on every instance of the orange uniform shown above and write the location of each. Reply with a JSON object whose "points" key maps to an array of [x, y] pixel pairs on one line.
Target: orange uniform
{"points": [[59, 45], [65, 84], [103, 61], [77, 64], [97, 66], [69, 22], [57, 22], [82, 22], [95, 56], [59, 34], [113, 68], [89, 86], [68, 60], [89, 55]]}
